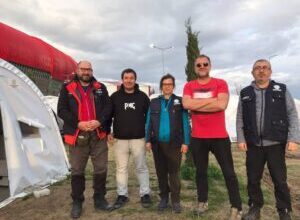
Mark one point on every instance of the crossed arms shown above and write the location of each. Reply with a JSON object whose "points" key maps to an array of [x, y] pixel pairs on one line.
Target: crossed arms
{"points": [[206, 104]]}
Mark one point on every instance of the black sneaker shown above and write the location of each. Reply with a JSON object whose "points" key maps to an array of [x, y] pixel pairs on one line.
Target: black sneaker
{"points": [[146, 201], [163, 204], [176, 207], [121, 200], [76, 209], [284, 215], [253, 213]]}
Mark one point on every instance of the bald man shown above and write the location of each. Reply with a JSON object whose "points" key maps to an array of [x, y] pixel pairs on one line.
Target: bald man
{"points": [[85, 107]]}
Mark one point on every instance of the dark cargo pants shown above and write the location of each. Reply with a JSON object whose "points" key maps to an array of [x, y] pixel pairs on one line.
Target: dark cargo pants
{"points": [[88, 145]]}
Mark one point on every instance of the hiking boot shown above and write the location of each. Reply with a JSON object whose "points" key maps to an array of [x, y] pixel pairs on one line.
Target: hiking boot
{"points": [[163, 204], [76, 209], [120, 202], [102, 204], [176, 207], [235, 214], [253, 213], [201, 208], [284, 215], [146, 201]]}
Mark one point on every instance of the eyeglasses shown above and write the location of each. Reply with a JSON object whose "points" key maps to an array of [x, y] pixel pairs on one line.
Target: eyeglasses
{"points": [[167, 84], [199, 65], [86, 69], [258, 68]]}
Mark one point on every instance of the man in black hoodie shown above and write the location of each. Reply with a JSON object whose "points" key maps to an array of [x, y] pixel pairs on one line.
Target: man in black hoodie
{"points": [[129, 107]]}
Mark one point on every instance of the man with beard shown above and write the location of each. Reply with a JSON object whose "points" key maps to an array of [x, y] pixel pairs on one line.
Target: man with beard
{"points": [[267, 125], [130, 106], [207, 98], [85, 107]]}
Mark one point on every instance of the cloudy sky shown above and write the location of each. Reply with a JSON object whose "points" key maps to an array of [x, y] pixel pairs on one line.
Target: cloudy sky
{"points": [[116, 34]]}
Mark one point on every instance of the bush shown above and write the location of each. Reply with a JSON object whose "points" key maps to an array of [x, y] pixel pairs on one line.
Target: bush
{"points": [[189, 173], [214, 172]]}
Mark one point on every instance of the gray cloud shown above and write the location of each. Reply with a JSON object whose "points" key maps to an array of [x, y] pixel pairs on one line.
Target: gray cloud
{"points": [[115, 35]]}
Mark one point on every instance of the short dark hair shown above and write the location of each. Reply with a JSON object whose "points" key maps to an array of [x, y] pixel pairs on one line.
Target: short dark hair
{"points": [[203, 56], [164, 77], [128, 70]]}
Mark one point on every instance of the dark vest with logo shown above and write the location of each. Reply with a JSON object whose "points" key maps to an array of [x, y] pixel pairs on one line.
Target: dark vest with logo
{"points": [[176, 124], [275, 124]]}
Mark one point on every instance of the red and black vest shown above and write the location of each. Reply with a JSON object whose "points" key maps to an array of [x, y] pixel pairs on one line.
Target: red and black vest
{"points": [[86, 107]]}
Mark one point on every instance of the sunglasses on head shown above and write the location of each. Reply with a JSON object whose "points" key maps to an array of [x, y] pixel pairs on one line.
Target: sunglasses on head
{"points": [[202, 65]]}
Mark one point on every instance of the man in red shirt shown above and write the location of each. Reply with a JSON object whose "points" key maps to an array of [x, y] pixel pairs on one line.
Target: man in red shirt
{"points": [[207, 99]]}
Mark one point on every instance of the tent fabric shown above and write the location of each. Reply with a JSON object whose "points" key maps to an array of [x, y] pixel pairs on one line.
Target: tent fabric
{"points": [[18, 47], [35, 153]]}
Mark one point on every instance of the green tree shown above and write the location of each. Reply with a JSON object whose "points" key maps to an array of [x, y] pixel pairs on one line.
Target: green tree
{"points": [[192, 50]]}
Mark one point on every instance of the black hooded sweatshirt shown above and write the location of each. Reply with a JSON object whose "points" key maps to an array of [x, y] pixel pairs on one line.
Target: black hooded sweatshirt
{"points": [[129, 113]]}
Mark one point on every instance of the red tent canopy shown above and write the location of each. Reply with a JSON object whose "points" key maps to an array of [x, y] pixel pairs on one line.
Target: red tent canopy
{"points": [[18, 47]]}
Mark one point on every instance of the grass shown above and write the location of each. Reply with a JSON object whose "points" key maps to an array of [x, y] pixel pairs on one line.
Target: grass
{"points": [[60, 201]]}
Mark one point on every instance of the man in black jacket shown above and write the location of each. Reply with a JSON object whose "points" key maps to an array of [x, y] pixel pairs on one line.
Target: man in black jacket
{"points": [[85, 107], [267, 125], [168, 135], [129, 107]]}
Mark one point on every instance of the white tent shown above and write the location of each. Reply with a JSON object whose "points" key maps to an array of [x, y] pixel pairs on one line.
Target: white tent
{"points": [[32, 154]]}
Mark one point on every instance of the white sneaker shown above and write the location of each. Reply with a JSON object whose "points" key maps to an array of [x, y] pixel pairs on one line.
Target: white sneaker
{"points": [[201, 208], [235, 214]]}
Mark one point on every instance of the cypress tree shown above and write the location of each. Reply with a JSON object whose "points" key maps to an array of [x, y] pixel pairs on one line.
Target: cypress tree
{"points": [[192, 50]]}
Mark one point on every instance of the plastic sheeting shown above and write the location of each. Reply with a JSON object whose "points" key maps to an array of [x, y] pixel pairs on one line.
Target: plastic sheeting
{"points": [[18, 47], [35, 157]]}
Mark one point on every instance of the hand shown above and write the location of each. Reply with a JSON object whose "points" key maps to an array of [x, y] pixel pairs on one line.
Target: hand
{"points": [[184, 148], [83, 126], [148, 146], [243, 146], [93, 124], [110, 139], [291, 146]]}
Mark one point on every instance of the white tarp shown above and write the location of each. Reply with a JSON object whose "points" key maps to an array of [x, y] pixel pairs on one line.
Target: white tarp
{"points": [[35, 155]]}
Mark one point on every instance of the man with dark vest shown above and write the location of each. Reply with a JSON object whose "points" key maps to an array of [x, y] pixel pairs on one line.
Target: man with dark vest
{"points": [[267, 125], [168, 135], [85, 107]]}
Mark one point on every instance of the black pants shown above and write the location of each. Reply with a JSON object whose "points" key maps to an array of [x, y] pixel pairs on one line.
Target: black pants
{"points": [[88, 145], [275, 157], [221, 148], [167, 161]]}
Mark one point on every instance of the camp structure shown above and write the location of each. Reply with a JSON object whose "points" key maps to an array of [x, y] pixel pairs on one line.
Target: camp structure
{"points": [[32, 154], [44, 64]]}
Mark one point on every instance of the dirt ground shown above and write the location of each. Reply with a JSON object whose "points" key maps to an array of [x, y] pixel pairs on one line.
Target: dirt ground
{"points": [[57, 205]]}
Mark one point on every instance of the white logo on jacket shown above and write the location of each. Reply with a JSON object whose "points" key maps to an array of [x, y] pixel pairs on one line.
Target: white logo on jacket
{"points": [[176, 102], [99, 91], [129, 105], [277, 88]]}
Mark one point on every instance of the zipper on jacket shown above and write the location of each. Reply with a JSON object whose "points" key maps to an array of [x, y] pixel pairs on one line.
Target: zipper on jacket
{"points": [[87, 104], [261, 114]]}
